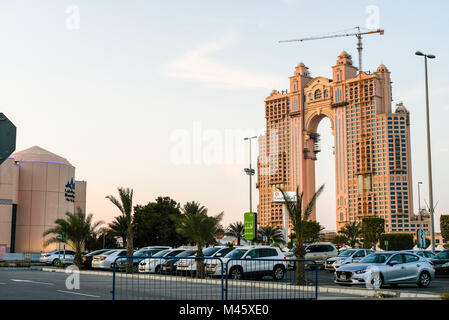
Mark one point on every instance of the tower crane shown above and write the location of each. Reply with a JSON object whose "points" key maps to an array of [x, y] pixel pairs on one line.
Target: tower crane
{"points": [[358, 34]]}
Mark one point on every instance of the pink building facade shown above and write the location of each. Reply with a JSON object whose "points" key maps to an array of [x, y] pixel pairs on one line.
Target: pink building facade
{"points": [[36, 188], [373, 175]]}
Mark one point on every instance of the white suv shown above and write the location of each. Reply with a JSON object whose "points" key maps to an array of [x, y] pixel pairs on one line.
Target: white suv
{"points": [[319, 252], [251, 261]]}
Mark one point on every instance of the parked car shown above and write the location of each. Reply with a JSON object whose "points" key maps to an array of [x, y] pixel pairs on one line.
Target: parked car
{"points": [[345, 257], [441, 262], [170, 266], [391, 267], [154, 264], [88, 257], [139, 256], [319, 252], [57, 256], [106, 259], [242, 262], [423, 253], [190, 265]]}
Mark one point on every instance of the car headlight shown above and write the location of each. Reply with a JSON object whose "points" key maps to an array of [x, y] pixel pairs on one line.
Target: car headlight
{"points": [[361, 271]]}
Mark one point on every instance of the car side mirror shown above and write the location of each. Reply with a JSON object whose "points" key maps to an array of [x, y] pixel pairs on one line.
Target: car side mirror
{"points": [[219, 254], [307, 250], [393, 263], [248, 257]]}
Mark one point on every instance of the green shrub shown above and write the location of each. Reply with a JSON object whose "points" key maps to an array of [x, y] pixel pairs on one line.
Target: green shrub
{"points": [[397, 241]]}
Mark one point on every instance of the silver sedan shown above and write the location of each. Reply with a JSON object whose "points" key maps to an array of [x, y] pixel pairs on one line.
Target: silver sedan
{"points": [[391, 268]]}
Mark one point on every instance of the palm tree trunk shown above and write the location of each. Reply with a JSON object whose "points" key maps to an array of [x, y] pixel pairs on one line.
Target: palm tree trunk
{"points": [[200, 263], [300, 253], [78, 261], [129, 250]]}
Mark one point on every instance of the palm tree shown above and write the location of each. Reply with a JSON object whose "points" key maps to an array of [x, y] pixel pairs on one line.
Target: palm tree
{"points": [[125, 205], [78, 228], [236, 230], [199, 228], [352, 231], [119, 228], [298, 213], [274, 235]]}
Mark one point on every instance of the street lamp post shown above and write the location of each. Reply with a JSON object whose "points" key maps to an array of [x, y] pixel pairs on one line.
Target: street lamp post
{"points": [[249, 171], [419, 198], [429, 154]]}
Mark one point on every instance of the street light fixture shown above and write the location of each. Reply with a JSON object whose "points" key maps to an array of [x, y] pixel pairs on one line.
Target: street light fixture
{"points": [[429, 154]]}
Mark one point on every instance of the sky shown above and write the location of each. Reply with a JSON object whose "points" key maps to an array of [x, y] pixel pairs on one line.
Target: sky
{"points": [[158, 95]]}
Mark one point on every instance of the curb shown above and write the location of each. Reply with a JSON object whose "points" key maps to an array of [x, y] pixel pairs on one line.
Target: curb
{"points": [[20, 269], [378, 293]]}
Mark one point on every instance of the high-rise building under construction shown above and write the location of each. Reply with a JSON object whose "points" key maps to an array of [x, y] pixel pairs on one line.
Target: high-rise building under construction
{"points": [[373, 174]]}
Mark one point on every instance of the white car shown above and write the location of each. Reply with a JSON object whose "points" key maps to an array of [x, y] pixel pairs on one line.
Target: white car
{"points": [[106, 259], [154, 264], [57, 256], [345, 257], [251, 261], [191, 265]]}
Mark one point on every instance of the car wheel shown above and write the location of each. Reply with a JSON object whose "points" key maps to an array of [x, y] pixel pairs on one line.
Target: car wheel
{"points": [[236, 274], [424, 279], [278, 273], [55, 262]]}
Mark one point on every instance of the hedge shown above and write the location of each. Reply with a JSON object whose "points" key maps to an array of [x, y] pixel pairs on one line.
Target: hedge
{"points": [[397, 241]]}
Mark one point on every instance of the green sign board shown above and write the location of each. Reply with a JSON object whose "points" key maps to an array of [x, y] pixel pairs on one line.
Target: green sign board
{"points": [[7, 137], [250, 222]]}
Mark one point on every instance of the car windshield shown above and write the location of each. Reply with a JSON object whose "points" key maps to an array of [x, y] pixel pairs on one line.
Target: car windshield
{"points": [[376, 258], [443, 255], [186, 253], [210, 251], [346, 253], [161, 253], [145, 252], [236, 253]]}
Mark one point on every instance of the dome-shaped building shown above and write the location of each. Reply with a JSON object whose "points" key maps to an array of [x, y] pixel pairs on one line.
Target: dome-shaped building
{"points": [[40, 187]]}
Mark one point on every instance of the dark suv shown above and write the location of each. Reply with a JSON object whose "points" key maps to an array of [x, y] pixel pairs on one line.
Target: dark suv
{"points": [[441, 262]]}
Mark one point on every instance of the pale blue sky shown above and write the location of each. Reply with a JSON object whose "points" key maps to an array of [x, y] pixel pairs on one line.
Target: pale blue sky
{"points": [[110, 94]]}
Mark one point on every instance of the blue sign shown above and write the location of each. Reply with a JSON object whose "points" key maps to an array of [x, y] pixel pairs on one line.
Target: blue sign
{"points": [[70, 191], [421, 239]]}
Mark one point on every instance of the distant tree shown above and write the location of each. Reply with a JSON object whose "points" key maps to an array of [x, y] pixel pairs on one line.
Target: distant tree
{"points": [[155, 223], [372, 229], [299, 211], [125, 204], [236, 230], [274, 235], [199, 228], [312, 231], [352, 231], [444, 226], [119, 228], [77, 227], [103, 240], [340, 239]]}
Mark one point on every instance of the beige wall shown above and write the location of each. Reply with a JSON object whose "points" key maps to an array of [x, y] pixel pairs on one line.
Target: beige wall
{"points": [[41, 201], [9, 181], [80, 195]]}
